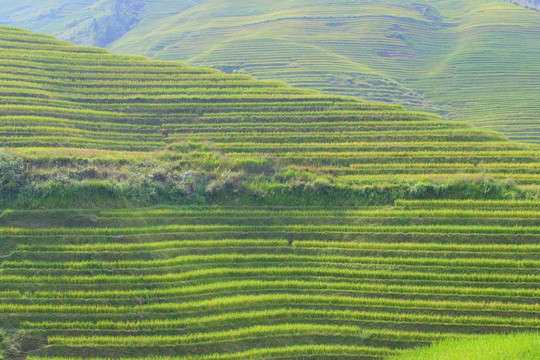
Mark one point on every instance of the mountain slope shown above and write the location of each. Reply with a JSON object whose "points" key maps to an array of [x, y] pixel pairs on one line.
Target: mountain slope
{"points": [[88, 22], [337, 228], [471, 60], [62, 100]]}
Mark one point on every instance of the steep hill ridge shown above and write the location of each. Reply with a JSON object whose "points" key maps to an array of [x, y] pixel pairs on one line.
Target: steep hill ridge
{"points": [[471, 60]]}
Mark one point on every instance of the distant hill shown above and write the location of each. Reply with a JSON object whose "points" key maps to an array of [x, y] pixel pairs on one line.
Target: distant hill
{"points": [[472, 60], [85, 22], [530, 3]]}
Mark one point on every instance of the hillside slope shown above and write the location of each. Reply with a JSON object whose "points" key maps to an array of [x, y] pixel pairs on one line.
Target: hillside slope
{"points": [[471, 60], [86, 121], [87, 22], [199, 283], [419, 229]]}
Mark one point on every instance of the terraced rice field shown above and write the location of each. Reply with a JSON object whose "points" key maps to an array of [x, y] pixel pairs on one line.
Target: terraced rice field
{"points": [[471, 60], [100, 117], [241, 283], [281, 278], [493, 346]]}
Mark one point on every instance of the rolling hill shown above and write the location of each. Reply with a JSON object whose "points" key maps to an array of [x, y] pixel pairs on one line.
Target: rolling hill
{"points": [[470, 60], [285, 223]]}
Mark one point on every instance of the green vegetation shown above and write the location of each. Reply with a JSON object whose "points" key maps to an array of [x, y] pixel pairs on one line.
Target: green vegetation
{"points": [[11, 173], [82, 127], [470, 60], [203, 282], [487, 347], [530, 4], [155, 210]]}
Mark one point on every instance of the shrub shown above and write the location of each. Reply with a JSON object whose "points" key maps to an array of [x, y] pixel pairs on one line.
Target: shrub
{"points": [[193, 183], [12, 173], [230, 182]]}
